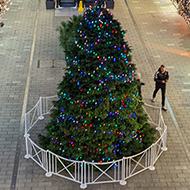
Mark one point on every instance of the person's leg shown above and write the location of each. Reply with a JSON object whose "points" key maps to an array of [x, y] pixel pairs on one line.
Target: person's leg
{"points": [[163, 96], [155, 91]]}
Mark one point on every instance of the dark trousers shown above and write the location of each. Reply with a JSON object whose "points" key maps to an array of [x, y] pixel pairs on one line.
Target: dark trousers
{"points": [[163, 89]]}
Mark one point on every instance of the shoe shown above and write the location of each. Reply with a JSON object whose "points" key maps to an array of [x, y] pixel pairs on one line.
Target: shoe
{"points": [[1, 24], [153, 100], [164, 108]]}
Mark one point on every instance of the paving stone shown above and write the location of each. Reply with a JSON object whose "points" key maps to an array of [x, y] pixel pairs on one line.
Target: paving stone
{"points": [[52, 188], [181, 188]]}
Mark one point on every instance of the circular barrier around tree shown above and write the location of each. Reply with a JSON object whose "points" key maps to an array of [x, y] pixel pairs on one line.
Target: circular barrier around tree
{"points": [[86, 173]]}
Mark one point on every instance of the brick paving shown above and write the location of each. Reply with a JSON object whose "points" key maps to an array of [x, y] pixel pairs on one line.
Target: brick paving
{"points": [[157, 35]]}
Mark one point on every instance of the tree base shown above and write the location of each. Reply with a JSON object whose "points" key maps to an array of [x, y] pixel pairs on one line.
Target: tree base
{"points": [[123, 182], [151, 168]]}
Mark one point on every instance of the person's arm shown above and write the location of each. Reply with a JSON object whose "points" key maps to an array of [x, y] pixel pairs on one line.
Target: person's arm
{"points": [[156, 78], [167, 77]]}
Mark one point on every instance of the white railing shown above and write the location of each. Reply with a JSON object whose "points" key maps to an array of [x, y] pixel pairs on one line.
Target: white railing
{"points": [[86, 173]]}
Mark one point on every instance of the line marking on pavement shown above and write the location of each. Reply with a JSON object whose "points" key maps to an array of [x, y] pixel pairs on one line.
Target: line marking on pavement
{"points": [[176, 34], [165, 20], [137, 7], [164, 30], [170, 67], [16, 82], [13, 96], [8, 26], [185, 90], [185, 54], [13, 37], [170, 44], [21, 129], [189, 74], [144, 22], [177, 23], [178, 129], [156, 56], [149, 33], [20, 66], [1, 45], [186, 83], [134, 1]]}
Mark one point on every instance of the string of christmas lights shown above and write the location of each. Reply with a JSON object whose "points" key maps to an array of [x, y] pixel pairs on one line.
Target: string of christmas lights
{"points": [[184, 9]]}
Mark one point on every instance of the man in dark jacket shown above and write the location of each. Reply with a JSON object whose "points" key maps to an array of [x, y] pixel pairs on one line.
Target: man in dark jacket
{"points": [[161, 77]]}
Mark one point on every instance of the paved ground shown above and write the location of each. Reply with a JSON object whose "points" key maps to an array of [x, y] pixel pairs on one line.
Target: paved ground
{"points": [[157, 34]]}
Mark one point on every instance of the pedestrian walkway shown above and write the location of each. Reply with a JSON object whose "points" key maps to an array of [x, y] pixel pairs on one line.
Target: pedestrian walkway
{"points": [[156, 34]]}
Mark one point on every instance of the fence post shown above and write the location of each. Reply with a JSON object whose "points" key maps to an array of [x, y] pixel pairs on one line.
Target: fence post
{"points": [[48, 164], [26, 135], [47, 107], [83, 176], [41, 117], [123, 182], [27, 155], [44, 159], [152, 155], [159, 121], [164, 139]]}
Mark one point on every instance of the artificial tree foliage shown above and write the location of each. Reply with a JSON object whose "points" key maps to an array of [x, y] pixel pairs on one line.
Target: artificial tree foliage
{"points": [[67, 32], [98, 116]]}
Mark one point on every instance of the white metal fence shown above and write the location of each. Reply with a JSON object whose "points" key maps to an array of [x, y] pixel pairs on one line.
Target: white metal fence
{"points": [[86, 173]]}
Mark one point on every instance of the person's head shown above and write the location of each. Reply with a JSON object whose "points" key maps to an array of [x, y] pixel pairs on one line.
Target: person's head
{"points": [[162, 68], [138, 76]]}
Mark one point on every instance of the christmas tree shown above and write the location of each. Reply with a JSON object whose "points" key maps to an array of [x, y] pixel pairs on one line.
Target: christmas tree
{"points": [[98, 116]]}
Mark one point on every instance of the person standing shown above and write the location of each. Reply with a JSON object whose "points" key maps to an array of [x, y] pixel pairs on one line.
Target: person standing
{"points": [[1, 22], [161, 77], [138, 78]]}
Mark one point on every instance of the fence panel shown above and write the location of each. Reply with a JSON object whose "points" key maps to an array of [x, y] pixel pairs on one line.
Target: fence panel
{"points": [[86, 173], [47, 104]]}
